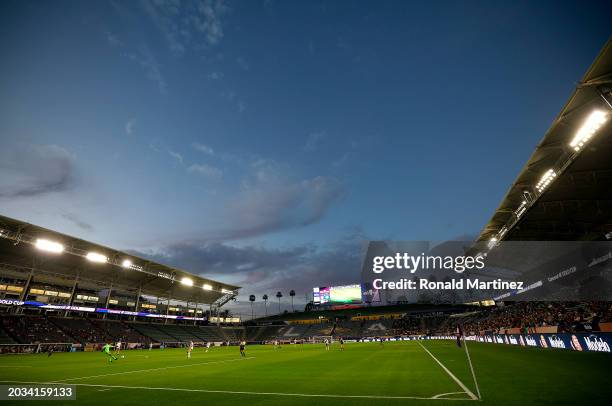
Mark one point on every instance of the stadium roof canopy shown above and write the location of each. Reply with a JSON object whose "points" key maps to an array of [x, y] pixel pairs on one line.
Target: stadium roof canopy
{"points": [[564, 192], [19, 250]]}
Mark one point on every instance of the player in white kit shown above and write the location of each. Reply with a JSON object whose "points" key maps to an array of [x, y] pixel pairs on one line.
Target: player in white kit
{"points": [[189, 349]]}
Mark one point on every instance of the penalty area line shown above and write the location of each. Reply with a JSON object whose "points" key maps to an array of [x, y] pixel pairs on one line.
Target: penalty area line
{"points": [[152, 369], [465, 388], [229, 392]]}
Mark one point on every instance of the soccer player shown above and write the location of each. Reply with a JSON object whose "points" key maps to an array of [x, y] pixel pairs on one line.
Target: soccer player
{"points": [[459, 334], [107, 350], [341, 344], [207, 346], [242, 350], [189, 349], [150, 345], [49, 351], [117, 347], [327, 344]]}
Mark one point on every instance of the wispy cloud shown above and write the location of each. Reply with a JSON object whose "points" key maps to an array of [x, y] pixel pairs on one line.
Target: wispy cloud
{"points": [[33, 170], [313, 140], [113, 40], [196, 24], [129, 126], [215, 75], [206, 170], [177, 156], [73, 218], [342, 160], [270, 200], [267, 270], [203, 148], [143, 57], [147, 61]]}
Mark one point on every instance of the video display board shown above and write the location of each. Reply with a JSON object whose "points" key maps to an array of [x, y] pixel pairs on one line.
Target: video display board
{"points": [[337, 294]]}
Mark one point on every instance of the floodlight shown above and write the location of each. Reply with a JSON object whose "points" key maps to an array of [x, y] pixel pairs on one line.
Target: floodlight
{"points": [[593, 122], [126, 263], [225, 291], [187, 281], [521, 209], [206, 286], [95, 257], [545, 180], [50, 246], [492, 242]]}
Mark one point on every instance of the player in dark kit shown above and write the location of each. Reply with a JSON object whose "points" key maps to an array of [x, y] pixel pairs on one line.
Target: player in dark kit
{"points": [[459, 334], [242, 350], [341, 344]]}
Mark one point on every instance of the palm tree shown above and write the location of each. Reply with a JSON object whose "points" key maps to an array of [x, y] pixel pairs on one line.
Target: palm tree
{"points": [[292, 293], [265, 299], [279, 295], [252, 299]]}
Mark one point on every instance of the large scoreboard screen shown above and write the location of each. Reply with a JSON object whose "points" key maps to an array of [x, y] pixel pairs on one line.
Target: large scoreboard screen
{"points": [[337, 294]]}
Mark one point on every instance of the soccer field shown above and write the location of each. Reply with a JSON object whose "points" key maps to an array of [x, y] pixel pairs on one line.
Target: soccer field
{"points": [[397, 373]]}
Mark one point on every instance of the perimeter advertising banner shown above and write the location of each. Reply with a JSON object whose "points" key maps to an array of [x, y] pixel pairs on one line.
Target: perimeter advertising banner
{"points": [[597, 342]]}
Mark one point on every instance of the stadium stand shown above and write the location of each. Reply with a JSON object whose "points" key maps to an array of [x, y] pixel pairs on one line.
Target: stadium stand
{"points": [[261, 333], [510, 318], [232, 334], [119, 330], [5, 338], [209, 333], [81, 329], [34, 329], [153, 332]]}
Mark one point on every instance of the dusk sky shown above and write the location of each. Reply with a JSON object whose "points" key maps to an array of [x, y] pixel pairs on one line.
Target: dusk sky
{"points": [[262, 142]]}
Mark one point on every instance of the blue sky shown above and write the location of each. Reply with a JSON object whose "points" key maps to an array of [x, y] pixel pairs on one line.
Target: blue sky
{"points": [[261, 142]]}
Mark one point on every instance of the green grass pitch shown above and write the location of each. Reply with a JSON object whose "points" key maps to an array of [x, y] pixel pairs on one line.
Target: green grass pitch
{"points": [[364, 374]]}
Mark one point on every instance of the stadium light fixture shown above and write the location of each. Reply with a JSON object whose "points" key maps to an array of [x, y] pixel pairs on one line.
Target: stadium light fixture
{"points": [[593, 122], [522, 208], [545, 180], [126, 263], [206, 286], [492, 242], [95, 257], [225, 291], [49, 246], [503, 231], [187, 281]]}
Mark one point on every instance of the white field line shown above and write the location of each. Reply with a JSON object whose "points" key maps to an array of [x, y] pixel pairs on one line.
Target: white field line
{"points": [[441, 395], [243, 392], [472, 369], [153, 369], [465, 388]]}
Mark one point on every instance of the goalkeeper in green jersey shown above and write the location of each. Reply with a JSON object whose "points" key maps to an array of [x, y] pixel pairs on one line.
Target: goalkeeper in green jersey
{"points": [[107, 350]]}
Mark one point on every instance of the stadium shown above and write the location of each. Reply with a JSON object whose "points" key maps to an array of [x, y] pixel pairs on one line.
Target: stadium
{"points": [[85, 323]]}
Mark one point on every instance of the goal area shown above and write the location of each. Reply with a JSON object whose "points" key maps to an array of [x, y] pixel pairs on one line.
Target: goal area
{"points": [[321, 339]]}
